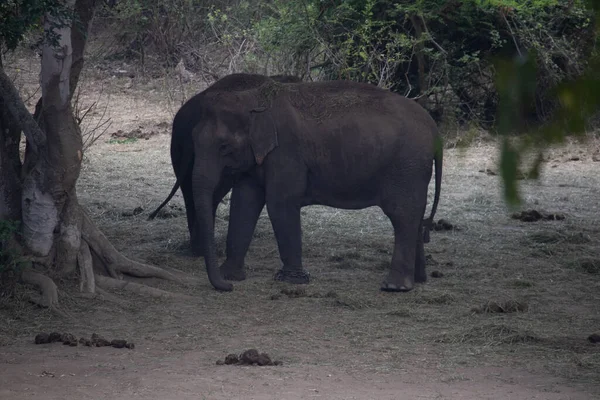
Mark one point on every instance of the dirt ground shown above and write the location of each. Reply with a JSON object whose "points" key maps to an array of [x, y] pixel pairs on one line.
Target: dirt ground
{"points": [[339, 337]]}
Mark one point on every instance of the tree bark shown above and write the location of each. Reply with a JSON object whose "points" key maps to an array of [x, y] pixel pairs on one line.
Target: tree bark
{"points": [[47, 287], [86, 269], [420, 54], [84, 12], [49, 199], [19, 113], [10, 164], [111, 283]]}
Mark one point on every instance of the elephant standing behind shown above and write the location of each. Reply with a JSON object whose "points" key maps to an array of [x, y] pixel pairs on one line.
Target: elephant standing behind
{"points": [[342, 144], [182, 148]]}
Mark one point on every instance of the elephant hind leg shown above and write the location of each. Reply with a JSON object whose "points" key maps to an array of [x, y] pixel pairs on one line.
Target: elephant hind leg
{"points": [[408, 258], [401, 277]]}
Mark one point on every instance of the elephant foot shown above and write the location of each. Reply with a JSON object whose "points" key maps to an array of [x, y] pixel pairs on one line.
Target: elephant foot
{"points": [[394, 284], [297, 277], [232, 273]]}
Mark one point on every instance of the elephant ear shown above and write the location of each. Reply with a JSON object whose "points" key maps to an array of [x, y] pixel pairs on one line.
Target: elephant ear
{"points": [[263, 133]]}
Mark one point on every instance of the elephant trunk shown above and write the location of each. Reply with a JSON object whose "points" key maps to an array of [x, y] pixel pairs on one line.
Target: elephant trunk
{"points": [[205, 217]]}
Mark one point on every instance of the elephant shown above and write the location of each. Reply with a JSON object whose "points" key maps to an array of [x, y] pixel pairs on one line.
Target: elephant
{"points": [[182, 150], [341, 144]]}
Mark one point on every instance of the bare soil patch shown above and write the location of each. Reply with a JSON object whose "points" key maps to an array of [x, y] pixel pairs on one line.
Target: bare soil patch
{"points": [[338, 337]]}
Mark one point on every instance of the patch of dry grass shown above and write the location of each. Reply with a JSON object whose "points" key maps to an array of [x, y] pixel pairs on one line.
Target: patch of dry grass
{"points": [[489, 334]]}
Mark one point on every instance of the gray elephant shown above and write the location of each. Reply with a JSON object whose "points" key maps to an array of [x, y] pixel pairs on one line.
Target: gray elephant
{"points": [[182, 149], [342, 144]]}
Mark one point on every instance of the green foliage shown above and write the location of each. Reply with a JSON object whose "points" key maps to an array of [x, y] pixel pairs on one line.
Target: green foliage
{"points": [[286, 36], [123, 141], [438, 50], [198, 31], [381, 42], [578, 100], [17, 17]]}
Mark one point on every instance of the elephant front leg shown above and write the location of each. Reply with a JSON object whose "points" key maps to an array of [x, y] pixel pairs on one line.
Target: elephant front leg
{"points": [[196, 240], [285, 219], [247, 202]]}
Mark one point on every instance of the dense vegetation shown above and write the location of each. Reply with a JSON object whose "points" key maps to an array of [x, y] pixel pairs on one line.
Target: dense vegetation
{"points": [[441, 51]]}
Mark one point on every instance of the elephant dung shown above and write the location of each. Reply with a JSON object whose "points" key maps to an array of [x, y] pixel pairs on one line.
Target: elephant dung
{"points": [[42, 338], [232, 359], [68, 338], [249, 357], [534, 215], [443, 225], [437, 274], [55, 337], [264, 359], [594, 338], [118, 343], [99, 341]]}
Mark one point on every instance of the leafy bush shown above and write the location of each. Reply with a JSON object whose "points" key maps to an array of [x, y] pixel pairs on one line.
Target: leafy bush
{"points": [[208, 35], [17, 17], [438, 51], [442, 51]]}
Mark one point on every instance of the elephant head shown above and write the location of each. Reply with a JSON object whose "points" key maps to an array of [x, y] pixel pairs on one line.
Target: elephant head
{"points": [[182, 153], [235, 135]]}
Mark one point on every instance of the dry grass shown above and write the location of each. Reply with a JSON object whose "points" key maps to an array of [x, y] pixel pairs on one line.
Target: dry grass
{"points": [[342, 319]]}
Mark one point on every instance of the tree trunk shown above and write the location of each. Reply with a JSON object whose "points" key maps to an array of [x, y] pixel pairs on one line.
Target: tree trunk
{"points": [[420, 55], [54, 227], [50, 212], [10, 165]]}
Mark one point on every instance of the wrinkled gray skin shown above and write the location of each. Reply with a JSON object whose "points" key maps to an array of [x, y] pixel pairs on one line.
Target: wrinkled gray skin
{"points": [[182, 149], [341, 144]]}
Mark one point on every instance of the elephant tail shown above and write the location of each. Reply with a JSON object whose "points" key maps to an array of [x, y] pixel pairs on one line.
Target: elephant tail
{"points": [[438, 159], [187, 163]]}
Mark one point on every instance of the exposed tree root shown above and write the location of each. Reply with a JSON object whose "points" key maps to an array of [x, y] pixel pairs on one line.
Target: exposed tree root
{"points": [[49, 292], [184, 277], [112, 258], [86, 268], [110, 283], [111, 298], [102, 295], [95, 258]]}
